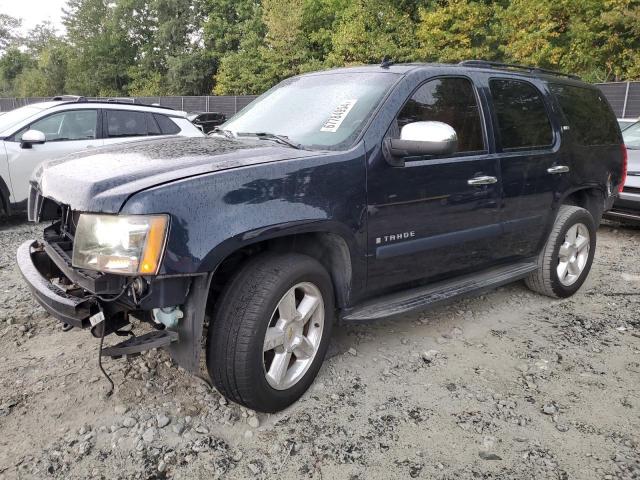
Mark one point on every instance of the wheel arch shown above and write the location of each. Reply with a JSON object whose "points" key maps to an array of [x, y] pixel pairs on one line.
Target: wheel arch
{"points": [[5, 195], [591, 198], [326, 242]]}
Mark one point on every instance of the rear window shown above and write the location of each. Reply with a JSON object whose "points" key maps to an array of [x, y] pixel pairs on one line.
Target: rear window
{"points": [[521, 114], [166, 125], [590, 117]]}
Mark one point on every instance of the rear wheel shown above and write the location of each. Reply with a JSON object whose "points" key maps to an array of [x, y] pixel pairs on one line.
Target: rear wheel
{"points": [[270, 331], [565, 260]]}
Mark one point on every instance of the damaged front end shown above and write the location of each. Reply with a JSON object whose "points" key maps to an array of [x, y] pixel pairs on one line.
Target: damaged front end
{"points": [[174, 305]]}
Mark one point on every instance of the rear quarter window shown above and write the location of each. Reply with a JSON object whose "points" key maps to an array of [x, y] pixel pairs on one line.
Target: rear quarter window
{"points": [[591, 120], [167, 126]]}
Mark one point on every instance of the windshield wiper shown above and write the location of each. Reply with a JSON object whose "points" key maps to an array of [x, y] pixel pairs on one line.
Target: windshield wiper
{"points": [[281, 139], [226, 133]]}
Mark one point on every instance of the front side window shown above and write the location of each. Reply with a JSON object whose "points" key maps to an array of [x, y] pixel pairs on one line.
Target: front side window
{"points": [[521, 114], [71, 125], [591, 120], [319, 111], [123, 123], [451, 101]]}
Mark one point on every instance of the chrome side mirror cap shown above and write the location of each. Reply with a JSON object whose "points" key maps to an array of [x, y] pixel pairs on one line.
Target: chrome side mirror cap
{"points": [[421, 138], [32, 137]]}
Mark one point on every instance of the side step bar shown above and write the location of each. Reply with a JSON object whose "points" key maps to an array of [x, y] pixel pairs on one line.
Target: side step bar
{"points": [[421, 298], [133, 345]]}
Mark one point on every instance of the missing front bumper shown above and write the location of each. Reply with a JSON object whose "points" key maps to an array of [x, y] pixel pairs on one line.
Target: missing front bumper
{"points": [[39, 263], [38, 269]]}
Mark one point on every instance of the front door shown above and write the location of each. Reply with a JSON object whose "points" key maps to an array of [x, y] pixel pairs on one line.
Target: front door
{"points": [[65, 132], [435, 216]]}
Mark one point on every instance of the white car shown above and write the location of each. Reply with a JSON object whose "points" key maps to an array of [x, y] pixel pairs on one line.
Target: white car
{"points": [[626, 122], [42, 131]]}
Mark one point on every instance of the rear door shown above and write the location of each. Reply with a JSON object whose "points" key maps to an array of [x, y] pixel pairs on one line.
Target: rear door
{"points": [[65, 132], [532, 165], [128, 125]]}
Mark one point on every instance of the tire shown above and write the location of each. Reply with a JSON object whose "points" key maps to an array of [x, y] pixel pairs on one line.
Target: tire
{"points": [[251, 302], [547, 278]]}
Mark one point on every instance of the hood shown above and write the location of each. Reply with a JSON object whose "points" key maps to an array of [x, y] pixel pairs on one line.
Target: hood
{"points": [[101, 181], [633, 168]]}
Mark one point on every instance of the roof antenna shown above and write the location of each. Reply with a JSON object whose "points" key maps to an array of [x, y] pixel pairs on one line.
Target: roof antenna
{"points": [[386, 62]]}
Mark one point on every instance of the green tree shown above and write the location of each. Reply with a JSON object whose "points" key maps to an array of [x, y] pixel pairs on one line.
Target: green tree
{"points": [[241, 72], [455, 30], [8, 30], [48, 74], [102, 51], [370, 30], [12, 63]]}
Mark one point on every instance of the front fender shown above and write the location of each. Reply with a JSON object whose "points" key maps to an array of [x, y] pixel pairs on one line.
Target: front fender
{"points": [[214, 214]]}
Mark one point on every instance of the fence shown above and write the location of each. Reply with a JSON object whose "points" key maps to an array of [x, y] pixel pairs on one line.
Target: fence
{"points": [[623, 96], [228, 105]]}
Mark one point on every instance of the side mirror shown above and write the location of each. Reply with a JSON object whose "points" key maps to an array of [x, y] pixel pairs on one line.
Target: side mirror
{"points": [[421, 138], [32, 137]]}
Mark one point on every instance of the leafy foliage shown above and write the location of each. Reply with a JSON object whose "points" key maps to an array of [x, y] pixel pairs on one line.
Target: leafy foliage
{"points": [[193, 47]]}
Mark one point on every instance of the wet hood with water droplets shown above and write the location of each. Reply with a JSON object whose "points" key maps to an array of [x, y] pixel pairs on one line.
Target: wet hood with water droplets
{"points": [[102, 180]]}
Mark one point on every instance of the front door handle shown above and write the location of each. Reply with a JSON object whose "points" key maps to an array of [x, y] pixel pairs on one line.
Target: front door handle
{"points": [[558, 169], [482, 181]]}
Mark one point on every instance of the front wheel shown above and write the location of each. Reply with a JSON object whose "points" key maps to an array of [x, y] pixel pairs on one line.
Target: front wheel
{"points": [[565, 260], [270, 332]]}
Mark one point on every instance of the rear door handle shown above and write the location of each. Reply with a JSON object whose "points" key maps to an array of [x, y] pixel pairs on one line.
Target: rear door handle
{"points": [[482, 181], [558, 169]]}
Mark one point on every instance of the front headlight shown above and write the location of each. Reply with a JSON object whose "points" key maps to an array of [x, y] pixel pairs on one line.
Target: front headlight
{"points": [[126, 244]]}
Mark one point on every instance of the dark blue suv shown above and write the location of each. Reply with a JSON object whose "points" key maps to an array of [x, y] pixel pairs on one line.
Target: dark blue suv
{"points": [[347, 195]]}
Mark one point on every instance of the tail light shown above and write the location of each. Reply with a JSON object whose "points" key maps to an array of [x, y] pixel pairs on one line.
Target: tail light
{"points": [[625, 159]]}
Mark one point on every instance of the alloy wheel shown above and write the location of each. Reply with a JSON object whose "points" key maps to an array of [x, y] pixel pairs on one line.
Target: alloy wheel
{"points": [[293, 336], [573, 254]]}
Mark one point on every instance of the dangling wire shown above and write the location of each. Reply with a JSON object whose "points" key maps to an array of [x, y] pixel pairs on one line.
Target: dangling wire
{"points": [[104, 328]]}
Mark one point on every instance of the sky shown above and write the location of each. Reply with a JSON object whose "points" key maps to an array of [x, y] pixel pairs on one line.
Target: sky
{"points": [[33, 12]]}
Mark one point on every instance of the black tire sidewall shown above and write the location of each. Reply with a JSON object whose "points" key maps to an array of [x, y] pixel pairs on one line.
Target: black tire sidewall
{"points": [[254, 390], [579, 216]]}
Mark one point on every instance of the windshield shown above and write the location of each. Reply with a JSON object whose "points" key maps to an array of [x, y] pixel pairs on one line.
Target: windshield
{"points": [[631, 136], [326, 111], [14, 117]]}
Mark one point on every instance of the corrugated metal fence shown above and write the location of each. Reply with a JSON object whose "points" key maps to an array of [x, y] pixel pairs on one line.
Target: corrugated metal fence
{"points": [[228, 105], [623, 96]]}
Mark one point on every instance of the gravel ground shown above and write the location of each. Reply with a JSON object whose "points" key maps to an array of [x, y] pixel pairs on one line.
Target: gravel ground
{"points": [[510, 385]]}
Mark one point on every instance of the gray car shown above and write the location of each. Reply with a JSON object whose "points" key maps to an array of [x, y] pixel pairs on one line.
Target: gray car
{"points": [[627, 207]]}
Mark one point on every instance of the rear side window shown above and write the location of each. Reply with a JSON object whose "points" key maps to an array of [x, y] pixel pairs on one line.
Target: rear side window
{"points": [[166, 125], [521, 114], [451, 101], [123, 123], [591, 120]]}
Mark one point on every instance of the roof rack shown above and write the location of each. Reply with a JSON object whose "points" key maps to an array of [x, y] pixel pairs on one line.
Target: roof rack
{"points": [[70, 98], [110, 101], [514, 66]]}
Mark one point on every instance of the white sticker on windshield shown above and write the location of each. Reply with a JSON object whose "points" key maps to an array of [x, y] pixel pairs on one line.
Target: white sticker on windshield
{"points": [[338, 116]]}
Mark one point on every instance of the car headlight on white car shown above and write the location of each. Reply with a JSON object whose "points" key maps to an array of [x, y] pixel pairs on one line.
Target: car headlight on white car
{"points": [[125, 244]]}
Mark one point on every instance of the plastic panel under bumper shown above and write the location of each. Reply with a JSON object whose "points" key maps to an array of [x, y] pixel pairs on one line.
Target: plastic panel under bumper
{"points": [[66, 308]]}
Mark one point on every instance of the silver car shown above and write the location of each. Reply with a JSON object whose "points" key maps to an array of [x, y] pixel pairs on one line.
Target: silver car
{"points": [[41, 131], [627, 207]]}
